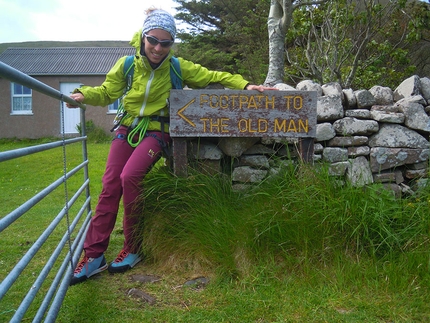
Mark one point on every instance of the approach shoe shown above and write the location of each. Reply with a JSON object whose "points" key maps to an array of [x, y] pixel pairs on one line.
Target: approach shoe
{"points": [[88, 267], [124, 262]]}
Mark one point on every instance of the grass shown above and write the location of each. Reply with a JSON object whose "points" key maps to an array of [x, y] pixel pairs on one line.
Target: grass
{"points": [[296, 248]]}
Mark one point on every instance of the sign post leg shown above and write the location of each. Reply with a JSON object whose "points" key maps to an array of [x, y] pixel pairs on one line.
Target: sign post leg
{"points": [[306, 147], [180, 159]]}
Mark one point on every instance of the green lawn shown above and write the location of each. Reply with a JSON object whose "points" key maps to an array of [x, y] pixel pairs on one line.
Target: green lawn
{"points": [[297, 248]]}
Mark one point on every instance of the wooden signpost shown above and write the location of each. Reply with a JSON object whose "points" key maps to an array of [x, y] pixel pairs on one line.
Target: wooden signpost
{"points": [[234, 113]]}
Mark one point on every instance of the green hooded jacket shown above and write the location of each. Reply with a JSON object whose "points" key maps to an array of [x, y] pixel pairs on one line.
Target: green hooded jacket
{"points": [[151, 87]]}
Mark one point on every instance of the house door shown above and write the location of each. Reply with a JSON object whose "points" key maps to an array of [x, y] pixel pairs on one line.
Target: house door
{"points": [[72, 117]]}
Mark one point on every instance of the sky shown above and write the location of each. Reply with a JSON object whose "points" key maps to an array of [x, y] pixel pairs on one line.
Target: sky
{"points": [[74, 20]]}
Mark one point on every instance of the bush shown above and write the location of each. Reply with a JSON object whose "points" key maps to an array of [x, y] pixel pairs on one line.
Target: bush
{"points": [[94, 133]]}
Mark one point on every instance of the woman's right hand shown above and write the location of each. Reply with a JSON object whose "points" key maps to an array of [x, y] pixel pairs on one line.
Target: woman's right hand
{"points": [[77, 97]]}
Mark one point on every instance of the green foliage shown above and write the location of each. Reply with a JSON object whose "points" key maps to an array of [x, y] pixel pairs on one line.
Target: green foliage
{"points": [[204, 51], [94, 133], [356, 44], [419, 23], [226, 37], [202, 220], [252, 44]]}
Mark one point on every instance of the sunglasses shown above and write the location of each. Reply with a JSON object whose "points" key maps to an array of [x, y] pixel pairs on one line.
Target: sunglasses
{"points": [[155, 41]]}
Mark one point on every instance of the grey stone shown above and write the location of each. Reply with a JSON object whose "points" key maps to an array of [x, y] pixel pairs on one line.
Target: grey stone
{"points": [[415, 173], [397, 136], [359, 173], [388, 117], [425, 87], [235, 147], [137, 293], [358, 113], [348, 141], [365, 99], [246, 174], [325, 131], [335, 154], [350, 99], [382, 158], [318, 148], [358, 151], [352, 126], [411, 99], [338, 169], [206, 151], [383, 95], [308, 85], [386, 108], [415, 116], [408, 87], [284, 87], [332, 89], [329, 108], [389, 177], [255, 161], [197, 283]]}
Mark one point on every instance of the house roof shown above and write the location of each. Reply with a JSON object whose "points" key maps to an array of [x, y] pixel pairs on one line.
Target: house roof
{"points": [[64, 60]]}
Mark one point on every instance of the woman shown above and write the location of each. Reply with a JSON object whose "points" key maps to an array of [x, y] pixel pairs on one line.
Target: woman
{"points": [[138, 139]]}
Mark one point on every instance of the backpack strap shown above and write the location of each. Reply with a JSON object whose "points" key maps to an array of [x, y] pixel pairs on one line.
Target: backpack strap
{"points": [[128, 75], [128, 72], [175, 74]]}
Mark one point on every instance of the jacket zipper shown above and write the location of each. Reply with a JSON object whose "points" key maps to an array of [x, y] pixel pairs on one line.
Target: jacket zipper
{"points": [[148, 86]]}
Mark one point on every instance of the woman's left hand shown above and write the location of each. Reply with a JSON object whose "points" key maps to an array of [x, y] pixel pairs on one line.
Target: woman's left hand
{"points": [[259, 88]]}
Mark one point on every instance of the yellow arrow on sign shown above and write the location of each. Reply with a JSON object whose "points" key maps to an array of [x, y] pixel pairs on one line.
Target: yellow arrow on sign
{"points": [[183, 109]]}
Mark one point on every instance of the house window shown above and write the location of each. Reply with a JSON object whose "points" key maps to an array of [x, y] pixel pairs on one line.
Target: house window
{"points": [[113, 108], [21, 99]]}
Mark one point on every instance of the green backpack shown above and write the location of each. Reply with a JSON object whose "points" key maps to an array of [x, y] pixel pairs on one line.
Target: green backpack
{"points": [[175, 72]]}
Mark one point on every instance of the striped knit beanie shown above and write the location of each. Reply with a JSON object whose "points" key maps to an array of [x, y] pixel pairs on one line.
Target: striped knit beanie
{"points": [[160, 19]]}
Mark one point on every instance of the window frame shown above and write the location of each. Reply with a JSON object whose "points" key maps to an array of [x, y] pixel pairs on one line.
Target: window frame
{"points": [[111, 107], [22, 96]]}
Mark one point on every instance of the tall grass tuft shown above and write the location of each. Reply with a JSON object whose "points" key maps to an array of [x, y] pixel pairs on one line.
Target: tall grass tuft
{"points": [[193, 221], [313, 211], [301, 217]]}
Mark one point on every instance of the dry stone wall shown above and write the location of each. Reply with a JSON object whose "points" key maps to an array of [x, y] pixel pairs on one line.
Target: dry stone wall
{"points": [[367, 136]]}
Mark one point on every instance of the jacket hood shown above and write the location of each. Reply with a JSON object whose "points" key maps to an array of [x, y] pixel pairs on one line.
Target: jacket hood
{"points": [[136, 41]]}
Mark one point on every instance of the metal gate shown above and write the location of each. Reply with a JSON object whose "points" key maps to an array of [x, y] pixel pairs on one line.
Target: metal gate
{"points": [[52, 278]]}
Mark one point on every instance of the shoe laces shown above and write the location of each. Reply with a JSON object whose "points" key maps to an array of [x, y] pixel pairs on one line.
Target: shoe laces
{"points": [[81, 265], [121, 256]]}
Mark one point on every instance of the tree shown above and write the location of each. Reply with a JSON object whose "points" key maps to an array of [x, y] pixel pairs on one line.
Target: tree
{"points": [[204, 41], [280, 17], [356, 43], [226, 35]]}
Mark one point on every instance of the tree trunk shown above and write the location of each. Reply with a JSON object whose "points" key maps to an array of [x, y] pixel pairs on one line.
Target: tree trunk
{"points": [[279, 20]]}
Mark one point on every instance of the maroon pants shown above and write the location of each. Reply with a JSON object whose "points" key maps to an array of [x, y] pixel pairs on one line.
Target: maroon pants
{"points": [[125, 169]]}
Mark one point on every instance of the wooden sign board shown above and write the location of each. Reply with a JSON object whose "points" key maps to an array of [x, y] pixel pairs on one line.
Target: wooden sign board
{"points": [[235, 113]]}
